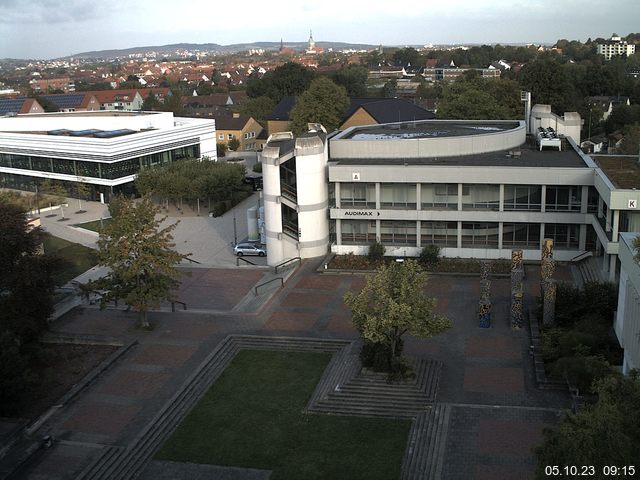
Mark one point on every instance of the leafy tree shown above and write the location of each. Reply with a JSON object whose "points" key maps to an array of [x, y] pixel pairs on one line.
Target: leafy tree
{"points": [[605, 433], [353, 78], [324, 102], [631, 141], [288, 79], [56, 191], [475, 98], [406, 56], [376, 252], [549, 84], [393, 304], [221, 149], [151, 103], [82, 191], [173, 103], [389, 89], [140, 256], [636, 245], [258, 108], [234, 144]]}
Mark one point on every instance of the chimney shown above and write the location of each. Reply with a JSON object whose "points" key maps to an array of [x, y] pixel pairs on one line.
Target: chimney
{"points": [[236, 115]]}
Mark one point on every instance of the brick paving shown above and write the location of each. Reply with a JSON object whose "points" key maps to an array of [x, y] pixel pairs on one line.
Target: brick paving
{"points": [[487, 376]]}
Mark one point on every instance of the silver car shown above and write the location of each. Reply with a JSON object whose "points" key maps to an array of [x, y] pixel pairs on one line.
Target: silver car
{"points": [[249, 249]]}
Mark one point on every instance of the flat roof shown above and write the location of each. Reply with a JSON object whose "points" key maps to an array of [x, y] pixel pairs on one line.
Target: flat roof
{"points": [[428, 129], [90, 113], [528, 156], [622, 170]]}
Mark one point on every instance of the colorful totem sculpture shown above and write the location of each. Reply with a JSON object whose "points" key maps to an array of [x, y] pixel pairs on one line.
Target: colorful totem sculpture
{"points": [[548, 286], [517, 289], [484, 306]]}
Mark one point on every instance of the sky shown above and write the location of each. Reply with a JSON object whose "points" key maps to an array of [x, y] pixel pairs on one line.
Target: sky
{"points": [[42, 29]]}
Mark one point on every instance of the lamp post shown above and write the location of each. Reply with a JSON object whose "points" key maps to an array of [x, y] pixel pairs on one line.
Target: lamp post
{"points": [[590, 110]]}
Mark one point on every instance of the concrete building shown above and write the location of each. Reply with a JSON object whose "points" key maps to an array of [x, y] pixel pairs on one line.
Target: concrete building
{"points": [[627, 321], [477, 189], [615, 46], [104, 149]]}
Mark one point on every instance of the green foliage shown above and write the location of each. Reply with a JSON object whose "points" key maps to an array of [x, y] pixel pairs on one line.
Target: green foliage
{"points": [[258, 108], [550, 84], [430, 254], [151, 103], [595, 299], [475, 98], [582, 370], [191, 180], [392, 304], [221, 149], [323, 102], [140, 257], [377, 356], [234, 144], [636, 245], [288, 79], [406, 56], [376, 252], [257, 167], [353, 78], [14, 374], [622, 116], [605, 433], [389, 89], [631, 141]]}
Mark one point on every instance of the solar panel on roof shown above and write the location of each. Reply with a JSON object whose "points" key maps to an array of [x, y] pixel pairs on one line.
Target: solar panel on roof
{"points": [[84, 133], [114, 133], [11, 105], [70, 100]]}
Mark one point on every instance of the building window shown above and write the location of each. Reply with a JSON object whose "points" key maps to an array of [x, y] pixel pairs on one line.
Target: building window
{"points": [[480, 235], [398, 195], [221, 136], [229, 136], [481, 197], [358, 195], [439, 196], [522, 197], [358, 232], [398, 232], [563, 199], [443, 234], [523, 235], [564, 236]]}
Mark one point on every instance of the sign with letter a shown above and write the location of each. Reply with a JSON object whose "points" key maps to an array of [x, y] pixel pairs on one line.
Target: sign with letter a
{"points": [[355, 176]]}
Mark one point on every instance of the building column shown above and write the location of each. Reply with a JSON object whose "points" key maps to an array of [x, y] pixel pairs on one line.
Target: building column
{"points": [[459, 234], [418, 197], [338, 231], [600, 205], [336, 192], [615, 225], [542, 235], [608, 221], [612, 267], [501, 201], [378, 203], [582, 238], [378, 237], [500, 232], [459, 197], [543, 198], [418, 236], [584, 200], [605, 262]]}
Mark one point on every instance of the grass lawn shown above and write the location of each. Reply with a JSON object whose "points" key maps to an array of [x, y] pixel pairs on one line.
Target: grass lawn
{"points": [[76, 258], [95, 225], [253, 416]]}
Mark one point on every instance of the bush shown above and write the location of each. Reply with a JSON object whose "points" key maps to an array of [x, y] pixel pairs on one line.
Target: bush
{"points": [[430, 254], [14, 374], [582, 371], [257, 167], [376, 252]]}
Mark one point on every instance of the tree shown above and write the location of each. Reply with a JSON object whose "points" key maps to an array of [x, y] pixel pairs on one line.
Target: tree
{"points": [[389, 88], [234, 144], [258, 108], [353, 78], [631, 141], [288, 79], [473, 98], [140, 256], [605, 433], [151, 103], [221, 149], [82, 191], [392, 304], [636, 245], [324, 102], [57, 193], [549, 84]]}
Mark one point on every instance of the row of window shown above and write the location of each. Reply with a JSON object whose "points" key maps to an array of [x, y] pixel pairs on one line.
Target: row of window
{"points": [[83, 168], [445, 234], [474, 197]]}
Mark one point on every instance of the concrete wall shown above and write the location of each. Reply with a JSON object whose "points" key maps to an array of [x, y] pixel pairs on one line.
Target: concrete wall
{"points": [[627, 320], [568, 125]]}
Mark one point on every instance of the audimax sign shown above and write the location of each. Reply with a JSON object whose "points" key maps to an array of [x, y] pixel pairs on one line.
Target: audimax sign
{"points": [[361, 213]]}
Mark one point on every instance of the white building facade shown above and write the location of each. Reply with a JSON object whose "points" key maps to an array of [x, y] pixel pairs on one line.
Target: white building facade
{"points": [[104, 149], [615, 46], [627, 321]]}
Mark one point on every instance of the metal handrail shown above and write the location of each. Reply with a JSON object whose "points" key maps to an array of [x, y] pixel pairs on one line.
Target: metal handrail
{"points": [[173, 305], [582, 256], [193, 261], [255, 289], [286, 262]]}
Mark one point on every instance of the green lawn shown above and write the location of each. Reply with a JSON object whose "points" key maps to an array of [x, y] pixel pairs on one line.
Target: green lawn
{"points": [[253, 416], [95, 225], [75, 258]]}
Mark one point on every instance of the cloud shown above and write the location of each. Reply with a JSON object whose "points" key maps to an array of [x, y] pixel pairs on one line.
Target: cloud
{"points": [[35, 12]]}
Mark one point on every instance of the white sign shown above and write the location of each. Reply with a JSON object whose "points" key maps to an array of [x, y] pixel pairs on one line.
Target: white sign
{"points": [[632, 204], [355, 176]]}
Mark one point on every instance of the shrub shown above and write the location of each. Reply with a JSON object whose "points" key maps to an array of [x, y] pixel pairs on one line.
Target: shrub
{"points": [[376, 356], [376, 252], [430, 254], [582, 370], [257, 167]]}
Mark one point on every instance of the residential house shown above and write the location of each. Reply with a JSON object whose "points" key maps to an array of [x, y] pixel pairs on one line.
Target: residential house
{"points": [[615, 46], [74, 102], [128, 100], [245, 129], [65, 84], [14, 106], [606, 104]]}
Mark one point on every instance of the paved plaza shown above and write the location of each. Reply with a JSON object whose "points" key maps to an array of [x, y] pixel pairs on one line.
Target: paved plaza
{"points": [[487, 382]]}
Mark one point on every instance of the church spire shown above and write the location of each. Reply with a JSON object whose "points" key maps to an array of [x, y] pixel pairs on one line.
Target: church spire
{"points": [[312, 43]]}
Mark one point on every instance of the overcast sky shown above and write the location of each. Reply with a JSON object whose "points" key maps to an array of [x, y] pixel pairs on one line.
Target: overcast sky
{"points": [[54, 28]]}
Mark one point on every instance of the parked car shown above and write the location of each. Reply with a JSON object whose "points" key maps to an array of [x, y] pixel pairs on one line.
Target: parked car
{"points": [[249, 249]]}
